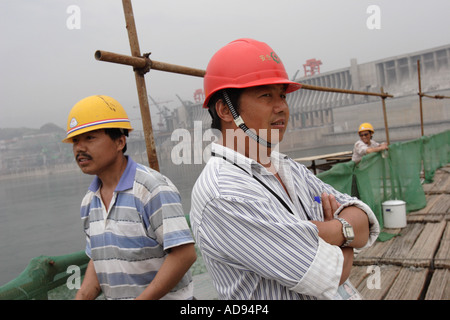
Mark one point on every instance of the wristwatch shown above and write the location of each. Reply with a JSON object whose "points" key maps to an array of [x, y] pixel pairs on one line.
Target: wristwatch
{"points": [[347, 231]]}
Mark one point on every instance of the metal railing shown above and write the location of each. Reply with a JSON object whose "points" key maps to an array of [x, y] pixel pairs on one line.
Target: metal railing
{"points": [[45, 273]]}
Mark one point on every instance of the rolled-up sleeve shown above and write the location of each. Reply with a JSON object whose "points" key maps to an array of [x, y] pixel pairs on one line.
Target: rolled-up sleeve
{"points": [[323, 276], [374, 226]]}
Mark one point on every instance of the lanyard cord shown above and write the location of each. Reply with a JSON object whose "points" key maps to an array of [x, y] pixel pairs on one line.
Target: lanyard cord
{"points": [[270, 190]]}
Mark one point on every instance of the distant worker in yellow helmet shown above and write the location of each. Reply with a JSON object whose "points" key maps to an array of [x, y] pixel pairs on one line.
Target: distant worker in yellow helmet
{"points": [[366, 145], [137, 236]]}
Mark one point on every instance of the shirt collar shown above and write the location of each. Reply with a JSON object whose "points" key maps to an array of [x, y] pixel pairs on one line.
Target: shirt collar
{"points": [[126, 180], [244, 162]]}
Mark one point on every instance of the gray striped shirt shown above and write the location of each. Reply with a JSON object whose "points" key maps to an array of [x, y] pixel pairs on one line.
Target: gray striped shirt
{"points": [[253, 247]]}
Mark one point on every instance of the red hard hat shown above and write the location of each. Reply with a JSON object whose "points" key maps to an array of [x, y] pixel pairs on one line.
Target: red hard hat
{"points": [[244, 63]]}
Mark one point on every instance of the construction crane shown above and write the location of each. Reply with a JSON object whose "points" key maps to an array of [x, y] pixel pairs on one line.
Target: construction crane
{"points": [[199, 95], [163, 113], [311, 67]]}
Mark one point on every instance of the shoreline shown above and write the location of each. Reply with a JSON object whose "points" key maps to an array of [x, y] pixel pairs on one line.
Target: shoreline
{"points": [[41, 171]]}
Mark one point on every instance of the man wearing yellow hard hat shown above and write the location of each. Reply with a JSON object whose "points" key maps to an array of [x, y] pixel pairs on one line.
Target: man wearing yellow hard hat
{"points": [[365, 144], [137, 236]]}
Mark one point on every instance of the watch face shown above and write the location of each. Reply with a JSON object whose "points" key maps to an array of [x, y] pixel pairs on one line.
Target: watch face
{"points": [[349, 232]]}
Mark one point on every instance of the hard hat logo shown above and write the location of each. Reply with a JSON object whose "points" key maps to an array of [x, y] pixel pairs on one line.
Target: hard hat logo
{"points": [[73, 123], [275, 57], [272, 56]]}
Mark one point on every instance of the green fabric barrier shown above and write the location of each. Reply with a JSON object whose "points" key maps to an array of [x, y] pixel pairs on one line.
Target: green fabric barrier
{"points": [[436, 153], [395, 174], [339, 176], [406, 164], [372, 182]]}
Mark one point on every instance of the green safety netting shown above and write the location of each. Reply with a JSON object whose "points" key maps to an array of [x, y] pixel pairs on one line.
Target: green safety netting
{"points": [[436, 153], [340, 176], [395, 174]]}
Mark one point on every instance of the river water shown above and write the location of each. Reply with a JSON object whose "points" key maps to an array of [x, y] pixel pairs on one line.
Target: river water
{"points": [[40, 215]]}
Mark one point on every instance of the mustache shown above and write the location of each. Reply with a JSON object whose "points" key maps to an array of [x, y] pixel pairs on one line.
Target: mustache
{"points": [[84, 155]]}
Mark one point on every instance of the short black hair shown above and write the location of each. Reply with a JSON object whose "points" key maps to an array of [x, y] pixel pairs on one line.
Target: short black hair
{"points": [[116, 133], [233, 94]]}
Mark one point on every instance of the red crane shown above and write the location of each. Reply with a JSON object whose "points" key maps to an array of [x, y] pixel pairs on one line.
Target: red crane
{"points": [[311, 67]]}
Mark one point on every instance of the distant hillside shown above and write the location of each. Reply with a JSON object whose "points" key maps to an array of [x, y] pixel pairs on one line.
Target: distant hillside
{"points": [[11, 133], [25, 149]]}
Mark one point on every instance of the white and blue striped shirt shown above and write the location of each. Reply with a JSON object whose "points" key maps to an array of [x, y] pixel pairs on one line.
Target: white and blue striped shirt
{"points": [[129, 242], [252, 246]]}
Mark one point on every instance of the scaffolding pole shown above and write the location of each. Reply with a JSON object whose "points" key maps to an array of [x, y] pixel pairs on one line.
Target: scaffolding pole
{"points": [[421, 95], [145, 61], [385, 116]]}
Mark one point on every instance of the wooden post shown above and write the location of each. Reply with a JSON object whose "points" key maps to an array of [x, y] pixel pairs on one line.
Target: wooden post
{"points": [[420, 96], [327, 89], [383, 97], [141, 88], [144, 62]]}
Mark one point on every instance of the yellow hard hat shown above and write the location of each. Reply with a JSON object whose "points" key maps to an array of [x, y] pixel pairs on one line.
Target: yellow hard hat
{"points": [[93, 113], [365, 127]]}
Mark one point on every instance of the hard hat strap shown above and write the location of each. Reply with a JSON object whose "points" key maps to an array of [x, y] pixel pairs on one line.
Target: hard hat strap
{"points": [[240, 123]]}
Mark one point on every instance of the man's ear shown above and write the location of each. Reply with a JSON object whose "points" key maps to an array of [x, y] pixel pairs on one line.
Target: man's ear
{"points": [[223, 111], [121, 142]]}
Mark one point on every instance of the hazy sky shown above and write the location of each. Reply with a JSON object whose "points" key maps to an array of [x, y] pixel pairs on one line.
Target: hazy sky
{"points": [[46, 66]]}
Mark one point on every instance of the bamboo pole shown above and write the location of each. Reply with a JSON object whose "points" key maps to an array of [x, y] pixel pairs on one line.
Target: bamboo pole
{"points": [[136, 62], [318, 88], [435, 96], [385, 116], [163, 66], [141, 87], [144, 62], [141, 62], [420, 96]]}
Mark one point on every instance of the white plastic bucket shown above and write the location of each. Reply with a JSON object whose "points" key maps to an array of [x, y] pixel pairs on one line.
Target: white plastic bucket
{"points": [[394, 214]]}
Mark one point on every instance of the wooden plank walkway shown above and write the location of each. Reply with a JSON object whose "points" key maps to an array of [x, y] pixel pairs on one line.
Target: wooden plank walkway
{"points": [[415, 265]]}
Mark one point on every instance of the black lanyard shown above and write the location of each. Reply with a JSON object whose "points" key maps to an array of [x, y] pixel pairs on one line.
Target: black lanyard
{"points": [[270, 190]]}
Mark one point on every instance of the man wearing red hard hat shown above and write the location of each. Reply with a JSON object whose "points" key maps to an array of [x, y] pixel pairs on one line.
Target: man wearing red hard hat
{"points": [[266, 226]]}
